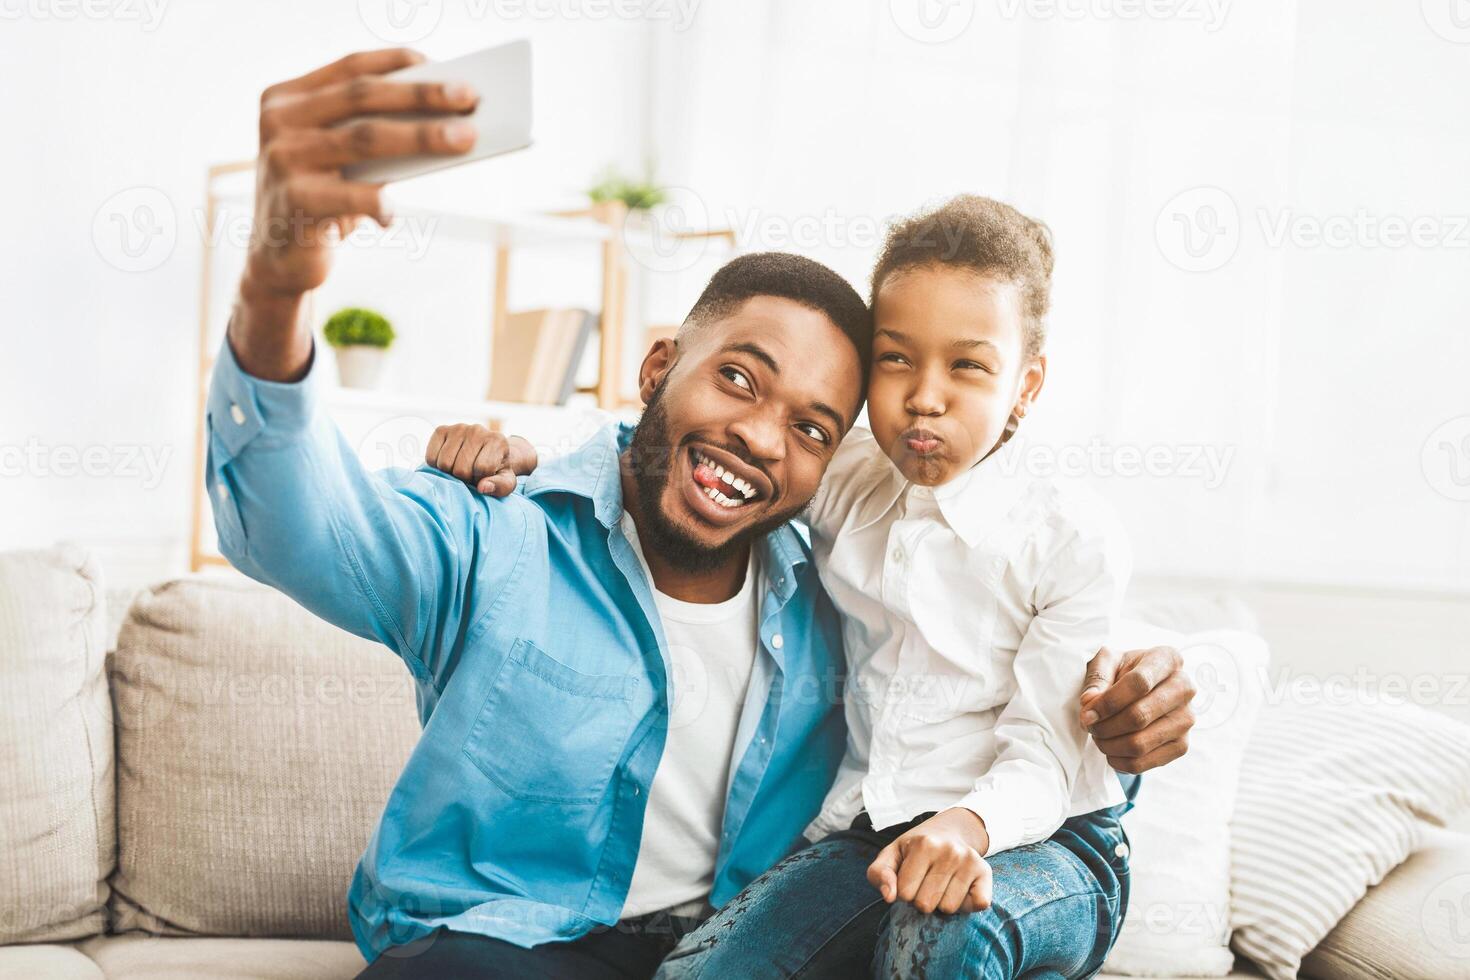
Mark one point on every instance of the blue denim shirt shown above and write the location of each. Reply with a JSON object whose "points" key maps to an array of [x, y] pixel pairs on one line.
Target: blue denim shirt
{"points": [[540, 669]]}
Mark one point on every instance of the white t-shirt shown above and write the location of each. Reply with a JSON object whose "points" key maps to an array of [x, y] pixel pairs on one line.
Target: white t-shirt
{"points": [[711, 651]]}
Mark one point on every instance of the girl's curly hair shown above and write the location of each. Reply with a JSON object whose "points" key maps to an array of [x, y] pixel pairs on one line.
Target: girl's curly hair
{"points": [[984, 236]]}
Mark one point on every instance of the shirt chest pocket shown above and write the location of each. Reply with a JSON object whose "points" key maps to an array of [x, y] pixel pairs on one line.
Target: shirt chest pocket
{"points": [[549, 734]]}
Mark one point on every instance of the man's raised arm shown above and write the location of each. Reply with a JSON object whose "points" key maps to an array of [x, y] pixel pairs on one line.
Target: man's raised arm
{"points": [[292, 504]]}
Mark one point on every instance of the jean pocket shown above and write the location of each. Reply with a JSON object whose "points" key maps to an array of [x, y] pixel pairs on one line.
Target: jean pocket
{"points": [[547, 733]]}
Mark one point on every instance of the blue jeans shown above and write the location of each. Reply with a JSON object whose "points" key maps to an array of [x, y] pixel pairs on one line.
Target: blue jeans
{"points": [[1058, 907]]}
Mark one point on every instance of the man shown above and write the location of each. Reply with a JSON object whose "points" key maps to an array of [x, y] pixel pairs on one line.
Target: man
{"points": [[554, 820]]}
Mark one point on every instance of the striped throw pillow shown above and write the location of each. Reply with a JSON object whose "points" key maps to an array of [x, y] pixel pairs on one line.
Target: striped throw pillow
{"points": [[1332, 797]]}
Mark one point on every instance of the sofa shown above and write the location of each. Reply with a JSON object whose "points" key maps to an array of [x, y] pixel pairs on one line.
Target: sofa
{"points": [[189, 773]]}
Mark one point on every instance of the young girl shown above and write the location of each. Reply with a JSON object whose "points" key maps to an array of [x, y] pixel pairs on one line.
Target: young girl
{"points": [[973, 830]]}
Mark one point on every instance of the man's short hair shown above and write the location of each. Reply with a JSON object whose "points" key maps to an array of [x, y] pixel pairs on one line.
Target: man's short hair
{"points": [[792, 277]]}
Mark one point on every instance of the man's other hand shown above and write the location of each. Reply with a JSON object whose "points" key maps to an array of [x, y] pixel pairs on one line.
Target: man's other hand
{"points": [[1137, 707], [485, 459]]}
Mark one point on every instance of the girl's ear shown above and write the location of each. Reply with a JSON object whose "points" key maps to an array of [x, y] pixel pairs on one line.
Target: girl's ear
{"points": [[1031, 381], [656, 363]]}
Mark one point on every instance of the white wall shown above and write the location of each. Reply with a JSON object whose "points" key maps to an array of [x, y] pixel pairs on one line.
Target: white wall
{"points": [[97, 358], [1333, 379], [1314, 375]]}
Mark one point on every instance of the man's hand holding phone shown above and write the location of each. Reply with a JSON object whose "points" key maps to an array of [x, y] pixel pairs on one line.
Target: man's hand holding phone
{"points": [[310, 128]]}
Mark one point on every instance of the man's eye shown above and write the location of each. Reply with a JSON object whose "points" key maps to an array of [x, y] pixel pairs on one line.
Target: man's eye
{"points": [[736, 377], [971, 366], [813, 431]]}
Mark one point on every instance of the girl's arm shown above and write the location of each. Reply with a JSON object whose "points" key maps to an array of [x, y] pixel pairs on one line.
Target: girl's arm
{"points": [[1027, 793]]}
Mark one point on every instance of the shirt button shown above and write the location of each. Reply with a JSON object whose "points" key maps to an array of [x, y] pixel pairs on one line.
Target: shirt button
{"points": [[237, 413], [222, 491], [898, 555], [1121, 850], [777, 642]]}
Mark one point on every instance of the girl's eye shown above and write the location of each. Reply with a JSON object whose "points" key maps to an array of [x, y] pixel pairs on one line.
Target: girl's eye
{"points": [[892, 358], [813, 431], [736, 377]]}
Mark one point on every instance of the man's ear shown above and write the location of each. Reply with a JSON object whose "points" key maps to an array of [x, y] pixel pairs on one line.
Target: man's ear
{"points": [[656, 364]]}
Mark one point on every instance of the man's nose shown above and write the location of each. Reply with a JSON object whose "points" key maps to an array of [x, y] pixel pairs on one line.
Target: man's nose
{"points": [[762, 436]]}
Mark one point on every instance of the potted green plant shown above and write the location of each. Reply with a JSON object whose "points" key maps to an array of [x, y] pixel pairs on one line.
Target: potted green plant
{"points": [[360, 338], [639, 194]]}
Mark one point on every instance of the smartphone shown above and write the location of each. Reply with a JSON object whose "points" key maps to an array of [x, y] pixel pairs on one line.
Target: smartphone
{"points": [[502, 77]]}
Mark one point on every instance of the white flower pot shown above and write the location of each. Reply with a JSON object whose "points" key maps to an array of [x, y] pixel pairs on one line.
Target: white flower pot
{"points": [[360, 366]]}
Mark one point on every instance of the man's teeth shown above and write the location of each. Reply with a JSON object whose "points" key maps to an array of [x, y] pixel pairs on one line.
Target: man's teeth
{"points": [[721, 499], [745, 489]]}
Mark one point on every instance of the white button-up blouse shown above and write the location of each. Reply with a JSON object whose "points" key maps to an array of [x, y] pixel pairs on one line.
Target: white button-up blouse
{"points": [[970, 612]]}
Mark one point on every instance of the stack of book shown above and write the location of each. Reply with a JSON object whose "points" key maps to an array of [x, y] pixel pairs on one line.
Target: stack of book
{"points": [[536, 353]]}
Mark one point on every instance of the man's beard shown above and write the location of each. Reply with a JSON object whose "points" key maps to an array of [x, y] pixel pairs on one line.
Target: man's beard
{"points": [[654, 464]]}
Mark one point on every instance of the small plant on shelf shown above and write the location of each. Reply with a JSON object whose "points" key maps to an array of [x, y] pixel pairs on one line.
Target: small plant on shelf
{"points": [[637, 194], [361, 339]]}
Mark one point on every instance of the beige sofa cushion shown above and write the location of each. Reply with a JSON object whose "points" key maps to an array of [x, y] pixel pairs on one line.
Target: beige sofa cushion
{"points": [[56, 803], [140, 957], [52, 962], [256, 747], [1416, 923]]}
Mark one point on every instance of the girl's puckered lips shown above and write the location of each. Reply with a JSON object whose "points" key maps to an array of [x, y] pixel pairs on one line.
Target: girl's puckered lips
{"points": [[922, 442]]}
